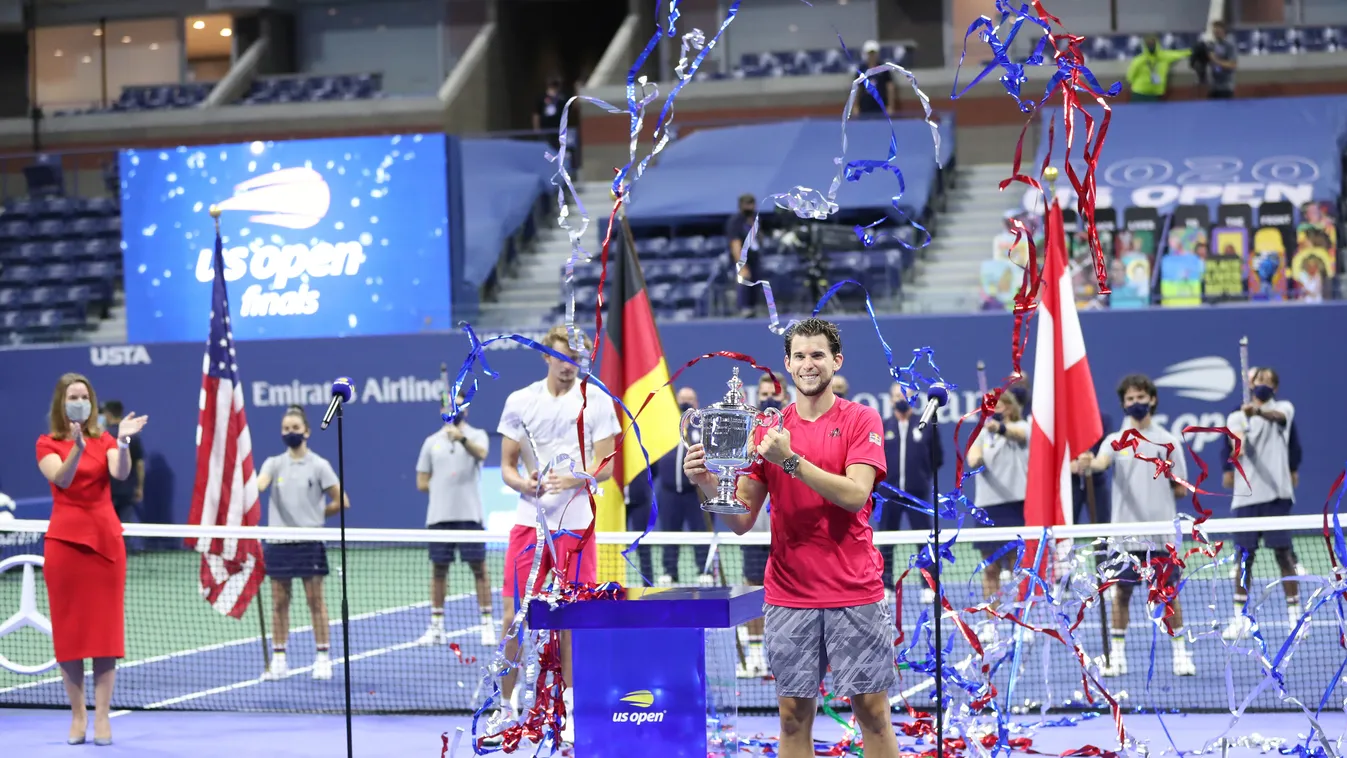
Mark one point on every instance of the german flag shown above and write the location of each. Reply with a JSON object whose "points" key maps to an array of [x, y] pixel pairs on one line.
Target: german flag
{"points": [[632, 366]]}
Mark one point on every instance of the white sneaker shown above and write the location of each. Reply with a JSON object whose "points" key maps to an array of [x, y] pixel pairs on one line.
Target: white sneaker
{"points": [[664, 580], [1117, 666], [1183, 663], [568, 728], [706, 580], [322, 667], [277, 669], [488, 631], [1239, 626], [1304, 632], [927, 596], [434, 636]]}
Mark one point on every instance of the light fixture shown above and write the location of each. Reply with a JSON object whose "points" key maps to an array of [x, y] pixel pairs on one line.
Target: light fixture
{"points": [[198, 24], [126, 40], [225, 32], [154, 45], [86, 59], [60, 53], [98, 32]]}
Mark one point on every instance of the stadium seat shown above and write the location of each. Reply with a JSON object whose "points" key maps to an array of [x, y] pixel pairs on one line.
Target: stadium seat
{"points": [[301, 89], [18, 274], [10, 298]]}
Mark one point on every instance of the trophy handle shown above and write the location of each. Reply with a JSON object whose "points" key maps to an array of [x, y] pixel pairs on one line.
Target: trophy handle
{"points": [[769, 418], [692, 419]]}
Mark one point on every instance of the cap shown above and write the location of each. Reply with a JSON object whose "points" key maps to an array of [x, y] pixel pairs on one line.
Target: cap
{"points": [[870, 46]]}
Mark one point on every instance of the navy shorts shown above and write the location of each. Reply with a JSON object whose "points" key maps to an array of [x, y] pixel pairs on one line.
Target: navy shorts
{"points": [[755, 562], [1130, 574], [1280, 538], [442, 553], [295, 560], [1005, 514]]}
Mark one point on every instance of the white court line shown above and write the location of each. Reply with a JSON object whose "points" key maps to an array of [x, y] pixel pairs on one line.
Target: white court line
{"points": [[294, 672], [234, 643]]}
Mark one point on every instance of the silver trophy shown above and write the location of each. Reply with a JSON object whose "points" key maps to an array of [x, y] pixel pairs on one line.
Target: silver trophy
{"points": [[727, 436]]}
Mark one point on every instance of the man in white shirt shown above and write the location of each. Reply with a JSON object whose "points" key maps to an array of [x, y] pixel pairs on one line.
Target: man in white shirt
{"points": [[1263, 428], [1139, 496], [449, 469], [543, 415]]}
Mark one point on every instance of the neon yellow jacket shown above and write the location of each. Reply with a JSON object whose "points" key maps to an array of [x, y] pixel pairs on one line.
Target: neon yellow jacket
{"points": [[1148, 73]]}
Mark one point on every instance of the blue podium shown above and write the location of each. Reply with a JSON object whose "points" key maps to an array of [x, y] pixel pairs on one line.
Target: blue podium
{"points": [[642, 684]]}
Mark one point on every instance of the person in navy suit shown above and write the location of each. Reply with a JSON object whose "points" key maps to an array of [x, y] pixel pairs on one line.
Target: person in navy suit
{"points": [[908, 453], [680, 508]]}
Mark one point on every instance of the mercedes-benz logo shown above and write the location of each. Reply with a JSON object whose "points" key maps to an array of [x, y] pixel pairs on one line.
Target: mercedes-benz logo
{"points": [[28, 614]]}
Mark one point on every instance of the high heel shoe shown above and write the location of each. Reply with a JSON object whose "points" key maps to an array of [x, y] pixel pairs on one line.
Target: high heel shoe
{"points": [[102, 741], [75, 740]]}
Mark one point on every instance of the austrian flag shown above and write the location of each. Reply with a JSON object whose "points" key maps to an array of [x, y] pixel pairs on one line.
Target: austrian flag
{"points": [[1065, 414]]}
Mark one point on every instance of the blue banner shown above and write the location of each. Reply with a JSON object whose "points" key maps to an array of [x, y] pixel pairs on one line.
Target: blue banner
{"points": [[1217, 152], [343, 236], [1192, 354]]}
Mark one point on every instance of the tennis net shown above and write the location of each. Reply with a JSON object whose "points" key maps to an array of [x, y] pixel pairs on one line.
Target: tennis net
{"points": [[182, 654]]}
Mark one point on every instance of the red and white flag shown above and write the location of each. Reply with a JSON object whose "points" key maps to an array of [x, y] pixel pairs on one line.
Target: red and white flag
{"points": [[1066, 419], [225, 491]]}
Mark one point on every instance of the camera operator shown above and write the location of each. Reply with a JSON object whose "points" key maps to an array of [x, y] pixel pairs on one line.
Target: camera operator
{"points": [[744, 262]]}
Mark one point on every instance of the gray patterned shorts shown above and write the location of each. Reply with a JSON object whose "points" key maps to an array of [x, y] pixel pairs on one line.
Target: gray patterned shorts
{"points": [[857, 641]]}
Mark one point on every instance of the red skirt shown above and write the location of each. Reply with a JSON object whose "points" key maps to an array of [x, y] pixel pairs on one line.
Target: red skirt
{"points": [[87, 594]]}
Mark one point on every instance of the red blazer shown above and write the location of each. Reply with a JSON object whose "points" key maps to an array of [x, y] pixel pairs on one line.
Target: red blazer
{"points": [[82, 513]]}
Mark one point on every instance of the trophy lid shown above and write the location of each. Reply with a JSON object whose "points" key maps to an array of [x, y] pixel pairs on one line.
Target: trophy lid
{"points": [[736, 394]]}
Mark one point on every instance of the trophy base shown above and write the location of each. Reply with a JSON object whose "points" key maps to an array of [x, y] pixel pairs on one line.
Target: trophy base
{"points": [[730, 507]]}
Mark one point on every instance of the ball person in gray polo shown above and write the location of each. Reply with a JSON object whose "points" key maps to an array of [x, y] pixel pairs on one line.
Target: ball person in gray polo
{"points": [[824, 588], [449, 469]]}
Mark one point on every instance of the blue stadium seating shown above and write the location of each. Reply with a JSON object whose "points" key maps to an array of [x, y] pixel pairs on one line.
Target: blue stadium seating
{"points": [[1265, 41], [800, 63], [60, 259], [310, 89]]}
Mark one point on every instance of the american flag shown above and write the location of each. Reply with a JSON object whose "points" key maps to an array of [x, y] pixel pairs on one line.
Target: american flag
{"points": [[225, 492]]}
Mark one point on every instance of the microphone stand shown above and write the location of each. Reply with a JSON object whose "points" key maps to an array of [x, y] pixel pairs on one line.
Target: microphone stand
{"points": [[345, 604], [939, 609]]}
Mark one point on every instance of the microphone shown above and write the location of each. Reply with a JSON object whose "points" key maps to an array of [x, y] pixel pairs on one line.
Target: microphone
{"points": [[342, 391], [936, 396]]}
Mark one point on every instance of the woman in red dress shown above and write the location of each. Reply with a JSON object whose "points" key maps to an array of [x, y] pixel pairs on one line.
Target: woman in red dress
{"points": [[85, 567]]}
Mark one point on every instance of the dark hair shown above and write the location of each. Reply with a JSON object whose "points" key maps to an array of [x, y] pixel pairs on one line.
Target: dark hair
{"points": [[1272, 374], [815, 327], [298, 412], [114, 407], [1139, 382]]}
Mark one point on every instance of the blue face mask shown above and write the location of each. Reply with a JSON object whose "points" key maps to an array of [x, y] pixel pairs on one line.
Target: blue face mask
{"points": [[293, 439], [1138, 411], [771, 402], [1263, 392], [684, 407], [902, 406]]}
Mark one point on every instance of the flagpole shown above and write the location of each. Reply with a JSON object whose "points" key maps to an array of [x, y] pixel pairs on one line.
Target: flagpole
{"points": [[261, 606]]}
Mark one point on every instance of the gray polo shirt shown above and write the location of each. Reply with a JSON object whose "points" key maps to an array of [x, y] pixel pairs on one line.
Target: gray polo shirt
{"points": [[455, 476], [1266, 456], [297, 487], [1006, 475], [1138, 494], [1223, 79]]}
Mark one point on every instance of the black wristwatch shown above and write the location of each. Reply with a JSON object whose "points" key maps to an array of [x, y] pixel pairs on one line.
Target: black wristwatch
{"points": [[791, 464]]}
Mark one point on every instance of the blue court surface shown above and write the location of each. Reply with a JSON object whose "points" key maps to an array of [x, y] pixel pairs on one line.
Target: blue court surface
{"points": [[41, 733]]}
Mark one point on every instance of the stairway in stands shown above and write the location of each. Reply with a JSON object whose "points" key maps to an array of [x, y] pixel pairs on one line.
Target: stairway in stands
{"points": [[527, 296], [947, 278]]}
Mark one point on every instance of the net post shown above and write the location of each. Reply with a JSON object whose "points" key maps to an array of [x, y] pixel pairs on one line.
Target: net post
{"points": [[262, 624], [345, 569], [936, 616], [1090, 503]]}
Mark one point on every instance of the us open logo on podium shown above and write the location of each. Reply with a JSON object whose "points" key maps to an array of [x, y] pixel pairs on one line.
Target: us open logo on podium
{"points": [[642, 700]]}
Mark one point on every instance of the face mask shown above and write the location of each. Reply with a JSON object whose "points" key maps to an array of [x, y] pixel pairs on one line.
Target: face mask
{"points": [[685, 407], [997, 417], [1138, 411], [902, 406], [1263, 392], [102, 421], [293, 439], [78, 410], [770, 402]]}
